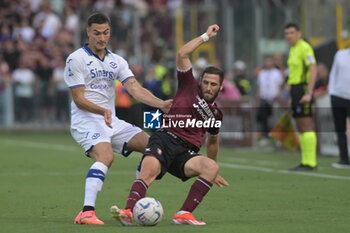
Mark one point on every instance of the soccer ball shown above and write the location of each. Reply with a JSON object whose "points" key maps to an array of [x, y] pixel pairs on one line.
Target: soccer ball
{"points": [[148, 211]]}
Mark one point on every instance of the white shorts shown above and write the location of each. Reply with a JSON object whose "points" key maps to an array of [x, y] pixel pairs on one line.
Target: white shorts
{"points": [[91, 131]]}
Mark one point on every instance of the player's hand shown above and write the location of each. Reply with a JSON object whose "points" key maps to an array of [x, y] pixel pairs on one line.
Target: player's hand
{"points": [[306, 98], [166, 105], [221, 182], [108, 118], [213, 30]]}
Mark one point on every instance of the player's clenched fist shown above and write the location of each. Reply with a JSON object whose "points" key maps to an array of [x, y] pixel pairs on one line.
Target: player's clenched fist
{"points": [[213, 30]]}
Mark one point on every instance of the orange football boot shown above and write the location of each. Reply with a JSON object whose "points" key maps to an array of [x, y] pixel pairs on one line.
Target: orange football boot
{"points": [[185, 217], [88, 217]]}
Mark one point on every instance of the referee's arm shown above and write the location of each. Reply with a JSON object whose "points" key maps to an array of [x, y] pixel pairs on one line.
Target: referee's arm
{"points": [[313, 76], [307, 97]]}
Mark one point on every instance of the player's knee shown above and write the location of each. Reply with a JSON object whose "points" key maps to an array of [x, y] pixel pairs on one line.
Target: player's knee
{"points": [[150, 169], [110, 159], [211, 169]]}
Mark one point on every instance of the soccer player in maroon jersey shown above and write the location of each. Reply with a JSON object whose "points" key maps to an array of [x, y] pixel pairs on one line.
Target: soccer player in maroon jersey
{"points": [[174, 148]]}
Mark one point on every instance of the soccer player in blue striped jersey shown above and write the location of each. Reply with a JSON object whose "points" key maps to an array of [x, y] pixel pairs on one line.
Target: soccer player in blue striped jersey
{"points": [[90, 73]]}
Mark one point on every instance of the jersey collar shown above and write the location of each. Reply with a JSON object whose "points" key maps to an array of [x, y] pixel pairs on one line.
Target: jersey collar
{"points": [[299, 41], [88, 51]]}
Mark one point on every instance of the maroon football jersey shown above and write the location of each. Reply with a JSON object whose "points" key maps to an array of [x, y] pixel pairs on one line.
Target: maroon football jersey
{"points": [[190, 115]]}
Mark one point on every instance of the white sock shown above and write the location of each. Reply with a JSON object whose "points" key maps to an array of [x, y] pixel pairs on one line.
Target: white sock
{"points": [[94, 182]]}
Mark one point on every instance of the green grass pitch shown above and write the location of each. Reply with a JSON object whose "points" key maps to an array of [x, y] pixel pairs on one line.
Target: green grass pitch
{"points": [[42, 179]]}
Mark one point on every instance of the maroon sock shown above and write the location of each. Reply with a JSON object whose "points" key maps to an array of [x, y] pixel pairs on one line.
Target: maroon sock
{"points": [[138, 191], [198, 190]]}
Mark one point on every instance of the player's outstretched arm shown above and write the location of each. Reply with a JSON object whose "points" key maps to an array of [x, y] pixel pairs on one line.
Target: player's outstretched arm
{"points": [[145, 96], [182, 60]]}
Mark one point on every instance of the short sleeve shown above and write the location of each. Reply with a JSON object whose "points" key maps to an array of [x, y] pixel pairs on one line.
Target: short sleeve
{"points": [[73, 75], [309, 56], [124, 72], [186, 78]]}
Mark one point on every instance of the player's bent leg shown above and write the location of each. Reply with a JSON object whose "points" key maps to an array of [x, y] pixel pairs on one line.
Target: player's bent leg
{"points": [[206, 169], [150, 169], [103, 153], [201, 166], [138, 142]]}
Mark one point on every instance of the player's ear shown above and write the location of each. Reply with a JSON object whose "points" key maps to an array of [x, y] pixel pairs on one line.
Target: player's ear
{"points": [[221, 86]]}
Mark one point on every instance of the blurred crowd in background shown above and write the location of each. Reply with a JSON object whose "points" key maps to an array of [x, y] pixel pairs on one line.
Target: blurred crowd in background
{"points": [[36, 36]]}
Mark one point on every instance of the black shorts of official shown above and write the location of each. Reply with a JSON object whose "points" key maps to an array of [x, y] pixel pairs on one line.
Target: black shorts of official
{"points": [[171, 151], [300, 110]]}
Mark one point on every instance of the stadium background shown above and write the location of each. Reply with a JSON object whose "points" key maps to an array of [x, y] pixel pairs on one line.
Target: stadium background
{"points": [[39, 35]]}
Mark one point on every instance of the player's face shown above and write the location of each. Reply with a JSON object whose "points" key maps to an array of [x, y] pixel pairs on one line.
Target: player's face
{"points": [[292, 35], [98, 36], [210, 86]]}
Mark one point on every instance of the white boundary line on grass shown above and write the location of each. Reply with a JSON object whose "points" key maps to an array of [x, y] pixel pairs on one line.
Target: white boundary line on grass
{"points": [[64, 173], [262, 169], [50, 146], [227, 165], [40, 145]]}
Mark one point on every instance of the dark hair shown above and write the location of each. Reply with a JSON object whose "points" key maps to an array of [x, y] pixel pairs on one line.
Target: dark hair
{"points": [[292, 25], [214, 70], [98, 18]]}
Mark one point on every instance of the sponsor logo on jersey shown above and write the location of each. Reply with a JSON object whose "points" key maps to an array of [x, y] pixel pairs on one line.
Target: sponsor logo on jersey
{"points": [[95, 73], [203, 109], [101, 86]]}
